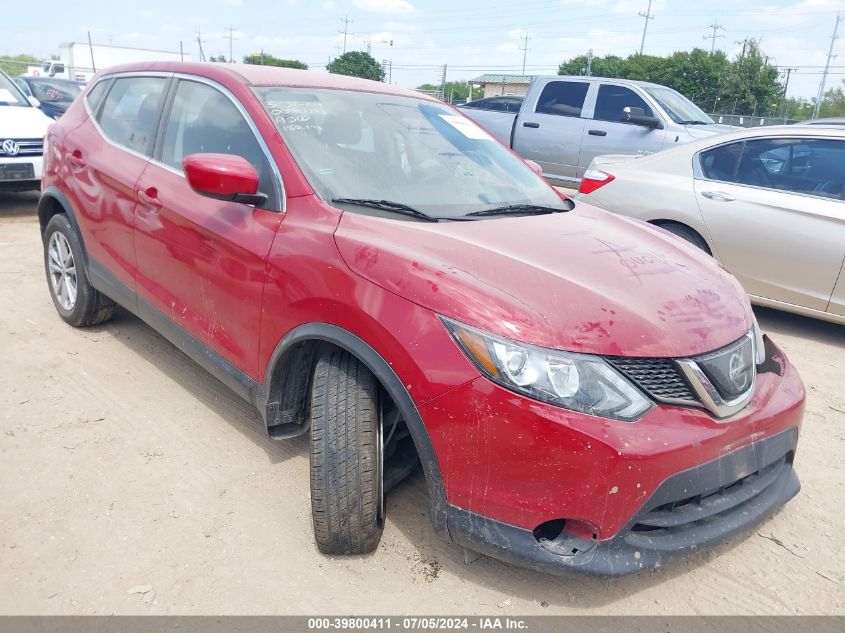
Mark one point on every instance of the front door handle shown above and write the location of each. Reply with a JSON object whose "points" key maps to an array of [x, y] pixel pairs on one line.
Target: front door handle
{"points": [[149, 197], [718, 195], [530, 124], [597, 133]]}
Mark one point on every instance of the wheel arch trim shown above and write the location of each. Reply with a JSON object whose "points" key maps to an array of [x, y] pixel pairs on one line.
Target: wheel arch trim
{"points": [[344, 339]]}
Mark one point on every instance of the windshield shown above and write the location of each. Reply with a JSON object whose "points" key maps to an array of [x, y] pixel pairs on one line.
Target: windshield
{"points": [[677, 106], [55, 90], [419, 153], [10, 94]]}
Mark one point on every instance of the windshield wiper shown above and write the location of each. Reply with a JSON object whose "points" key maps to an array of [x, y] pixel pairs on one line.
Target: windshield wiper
{"points": [[695, 122], [518, 209], [388, 205]]}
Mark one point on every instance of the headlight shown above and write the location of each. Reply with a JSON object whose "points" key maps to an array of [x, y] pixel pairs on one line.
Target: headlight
{"points": [[579, 382]]}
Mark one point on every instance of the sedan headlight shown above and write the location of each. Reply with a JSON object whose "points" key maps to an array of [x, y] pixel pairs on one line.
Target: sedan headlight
{"points": [[580, 382]]}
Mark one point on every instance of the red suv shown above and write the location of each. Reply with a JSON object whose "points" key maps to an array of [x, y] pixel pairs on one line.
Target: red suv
{"points": [[361, 262]]}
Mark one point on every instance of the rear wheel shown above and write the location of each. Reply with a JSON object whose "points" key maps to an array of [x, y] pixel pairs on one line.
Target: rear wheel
{"points": [[690, 235], [76, 301], [347, 489]]}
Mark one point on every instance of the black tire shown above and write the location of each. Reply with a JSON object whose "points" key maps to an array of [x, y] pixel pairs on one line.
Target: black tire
{"points": [[685, 232], [346, 473], [89, 307]]}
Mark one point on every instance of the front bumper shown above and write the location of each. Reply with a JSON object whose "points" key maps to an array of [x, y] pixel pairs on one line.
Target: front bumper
{"points": [[719, 499], [512, 466], [14, 174]]}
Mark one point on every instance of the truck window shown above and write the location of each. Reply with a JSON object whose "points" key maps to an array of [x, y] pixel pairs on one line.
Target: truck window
{"points": [[612, 101], [563, 98]]}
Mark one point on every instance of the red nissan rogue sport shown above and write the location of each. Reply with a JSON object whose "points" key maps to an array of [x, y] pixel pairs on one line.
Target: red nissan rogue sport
{"points": [[361, 262]]}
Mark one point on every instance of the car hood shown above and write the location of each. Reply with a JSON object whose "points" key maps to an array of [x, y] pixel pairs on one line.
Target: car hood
{"points": [[26, 122], [585, 281]]}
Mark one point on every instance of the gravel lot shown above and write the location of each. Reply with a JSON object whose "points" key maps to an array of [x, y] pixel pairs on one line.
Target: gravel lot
{"points": [[134, 483]]}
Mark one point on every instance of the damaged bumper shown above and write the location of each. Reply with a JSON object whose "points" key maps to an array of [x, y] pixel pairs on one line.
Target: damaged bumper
{"points": [[693, 510]]}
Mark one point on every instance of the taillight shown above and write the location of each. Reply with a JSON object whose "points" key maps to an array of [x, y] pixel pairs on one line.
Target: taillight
{"points": [[593, 179]]}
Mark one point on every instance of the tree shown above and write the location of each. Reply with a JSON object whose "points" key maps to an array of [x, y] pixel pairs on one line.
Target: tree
{"points": [[357, 64], [263, 59], [833, 103], [221, 59], [16, 65], [455, 90], [751, 84]]}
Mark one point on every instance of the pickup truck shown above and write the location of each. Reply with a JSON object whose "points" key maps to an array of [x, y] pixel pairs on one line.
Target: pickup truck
{"points": [[564, 122]]}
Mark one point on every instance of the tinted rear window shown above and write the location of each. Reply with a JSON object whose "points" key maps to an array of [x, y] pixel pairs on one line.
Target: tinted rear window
{"points": [[564, 98]]}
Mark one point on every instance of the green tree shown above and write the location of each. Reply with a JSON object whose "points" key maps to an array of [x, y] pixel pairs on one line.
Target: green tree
{"points": [[454, 90], [752, 85], [833, 103], [263, 59], [357, 64], [221, 59], [16, 65]]}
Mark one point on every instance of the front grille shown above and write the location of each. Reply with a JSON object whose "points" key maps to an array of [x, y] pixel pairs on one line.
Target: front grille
{"points": [[27, 146], [684, 515], [661, 378]]}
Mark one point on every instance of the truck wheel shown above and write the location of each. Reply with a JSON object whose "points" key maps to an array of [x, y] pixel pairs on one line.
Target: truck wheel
{"points": [[76, 301], [346, 456]]}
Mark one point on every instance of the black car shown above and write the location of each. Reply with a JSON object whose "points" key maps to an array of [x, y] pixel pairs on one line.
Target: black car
{"points": [[55, 95]]}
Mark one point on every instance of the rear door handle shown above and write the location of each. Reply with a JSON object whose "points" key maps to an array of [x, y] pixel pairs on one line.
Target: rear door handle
{"points": [[75, 158], [597, 133], [530, 124], [149, 197], [718, 195]]}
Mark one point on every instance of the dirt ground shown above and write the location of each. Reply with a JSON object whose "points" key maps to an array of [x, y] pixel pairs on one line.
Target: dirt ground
{"points": [[131, 482]]}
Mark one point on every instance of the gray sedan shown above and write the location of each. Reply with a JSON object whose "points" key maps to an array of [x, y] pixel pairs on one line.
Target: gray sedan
{"points": [[768, 203]]}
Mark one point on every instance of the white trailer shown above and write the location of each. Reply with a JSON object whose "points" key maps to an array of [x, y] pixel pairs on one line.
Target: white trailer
{"points": [[79, 60]]}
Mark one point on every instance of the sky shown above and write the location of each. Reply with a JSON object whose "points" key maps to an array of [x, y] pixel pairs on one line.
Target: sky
{"points": [[470, 36]]}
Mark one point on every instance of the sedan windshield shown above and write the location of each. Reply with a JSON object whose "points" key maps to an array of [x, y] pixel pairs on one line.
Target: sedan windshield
{"points": [[381, 148], [677, 106], [10, 94]]}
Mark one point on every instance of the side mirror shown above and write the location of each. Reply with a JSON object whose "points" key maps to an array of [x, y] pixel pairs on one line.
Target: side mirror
{"points": [[35, 103], [223, 177], [535, 167], [637, 116]]}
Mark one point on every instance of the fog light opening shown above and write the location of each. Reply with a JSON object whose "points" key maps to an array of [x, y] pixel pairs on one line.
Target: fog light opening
{"points": [[566, 537]]}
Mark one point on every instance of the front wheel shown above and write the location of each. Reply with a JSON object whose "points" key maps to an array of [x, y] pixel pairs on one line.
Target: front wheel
{"points": [[347, 482]]}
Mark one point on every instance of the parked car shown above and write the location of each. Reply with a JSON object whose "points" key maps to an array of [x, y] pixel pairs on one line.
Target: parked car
{"points": [[826, 122], [54, 95], [768, 203], [505, 103], [564, 122], [364, 263], [22, 130]]}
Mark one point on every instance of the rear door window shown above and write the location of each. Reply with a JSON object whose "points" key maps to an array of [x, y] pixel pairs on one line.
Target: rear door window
{"points": [[612, 101], [131, 110], [563, 98]]}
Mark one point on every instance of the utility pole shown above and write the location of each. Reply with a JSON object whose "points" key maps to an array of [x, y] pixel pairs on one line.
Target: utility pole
{"points": [[181, 52], [443, 83], [744, 46], [346, 22], [199, 42], [648, 16], [785, 88], [524, 49], [91, 50], [714, 27], [830, 56], [590, 63], [231, 30]]}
